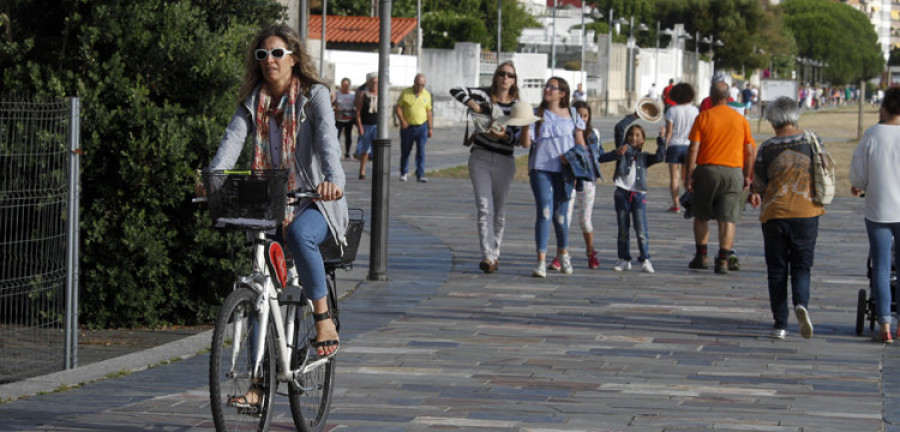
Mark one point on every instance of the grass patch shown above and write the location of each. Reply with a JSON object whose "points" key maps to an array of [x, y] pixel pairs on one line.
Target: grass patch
{"points": [[119, 374]]}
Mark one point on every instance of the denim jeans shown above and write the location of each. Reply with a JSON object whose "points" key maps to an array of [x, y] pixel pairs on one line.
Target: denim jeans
{"points": [[551, 196], [492, 174], [789, 247], [417, 135], [631, 206], [364, 144], [881, 241], [304, 235]]}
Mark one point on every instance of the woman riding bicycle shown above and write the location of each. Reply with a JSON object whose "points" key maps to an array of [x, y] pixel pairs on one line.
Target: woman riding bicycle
{"points": [[286, 111]]}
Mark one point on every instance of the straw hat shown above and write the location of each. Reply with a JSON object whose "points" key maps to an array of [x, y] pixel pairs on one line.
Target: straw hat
{"points": [[649, 109], [521, 114]]}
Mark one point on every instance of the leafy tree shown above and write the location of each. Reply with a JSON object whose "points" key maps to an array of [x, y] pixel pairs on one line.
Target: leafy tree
{"points": [[837, 34], [158, 81]]}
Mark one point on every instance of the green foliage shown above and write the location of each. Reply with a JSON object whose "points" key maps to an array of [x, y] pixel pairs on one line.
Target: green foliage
{"points": [[838, 34], [442, 29], [158, 81]]}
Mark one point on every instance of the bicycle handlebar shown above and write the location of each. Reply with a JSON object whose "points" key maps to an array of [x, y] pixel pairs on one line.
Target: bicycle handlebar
{"points": [[298, 194]]}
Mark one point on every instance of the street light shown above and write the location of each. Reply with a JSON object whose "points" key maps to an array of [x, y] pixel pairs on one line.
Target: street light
{"points": [[595, 14]]}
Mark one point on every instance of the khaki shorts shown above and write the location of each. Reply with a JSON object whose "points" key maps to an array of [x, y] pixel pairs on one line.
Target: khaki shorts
{"points": [[718, 193]]}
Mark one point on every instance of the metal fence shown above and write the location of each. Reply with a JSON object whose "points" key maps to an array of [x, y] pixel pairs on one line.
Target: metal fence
{"points": [[38, 237]]}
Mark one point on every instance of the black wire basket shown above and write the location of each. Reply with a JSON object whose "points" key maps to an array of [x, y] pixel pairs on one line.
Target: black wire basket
{"points": [[246, 199]]}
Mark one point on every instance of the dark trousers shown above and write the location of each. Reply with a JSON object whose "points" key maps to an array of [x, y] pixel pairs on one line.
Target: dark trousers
{"points": [[789, 246], [347, 128]]}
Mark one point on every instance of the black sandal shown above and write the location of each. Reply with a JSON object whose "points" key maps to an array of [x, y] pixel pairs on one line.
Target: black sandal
{"points": [[325, 343]]}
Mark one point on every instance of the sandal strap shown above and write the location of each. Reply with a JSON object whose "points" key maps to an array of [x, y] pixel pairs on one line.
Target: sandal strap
{"points": [[322, 316]]}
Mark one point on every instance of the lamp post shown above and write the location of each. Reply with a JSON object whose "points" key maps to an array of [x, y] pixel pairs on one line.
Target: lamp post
{"points": [[553, 40], [499, 25], [595, 14]]}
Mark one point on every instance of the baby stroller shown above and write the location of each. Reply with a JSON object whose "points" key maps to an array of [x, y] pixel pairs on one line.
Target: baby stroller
{"points": [[865, 303]]}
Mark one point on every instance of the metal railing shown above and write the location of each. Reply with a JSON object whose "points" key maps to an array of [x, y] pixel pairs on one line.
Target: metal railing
{"points": [[39, 151]]}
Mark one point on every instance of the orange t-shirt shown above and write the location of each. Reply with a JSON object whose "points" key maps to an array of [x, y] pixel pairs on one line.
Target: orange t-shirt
{"points": [[722, 133]]}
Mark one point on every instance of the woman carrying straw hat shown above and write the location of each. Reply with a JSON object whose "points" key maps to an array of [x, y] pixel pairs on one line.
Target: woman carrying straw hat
{"points": [[491, 163]]}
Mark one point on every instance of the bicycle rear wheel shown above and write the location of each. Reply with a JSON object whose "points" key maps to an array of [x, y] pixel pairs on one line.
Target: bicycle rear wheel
{"points": [[230, 364], [311, 400]]}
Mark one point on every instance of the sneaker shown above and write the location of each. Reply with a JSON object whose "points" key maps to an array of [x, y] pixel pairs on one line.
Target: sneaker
{"points": [[566, 267], [593, 262], [554, 265], [806, 327], [778, 333], [422, 180], [404, 178], [883, 337], [622, 265], [699, 262], [646, 267], [733, 264], [674, 209], [721, 266], [540, 270]]}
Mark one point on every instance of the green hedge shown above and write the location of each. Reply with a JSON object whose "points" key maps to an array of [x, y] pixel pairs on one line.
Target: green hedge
{"points": [[158, 83]]}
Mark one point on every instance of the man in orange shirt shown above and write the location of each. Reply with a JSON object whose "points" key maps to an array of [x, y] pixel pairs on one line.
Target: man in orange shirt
{"points": [[719, 167]]}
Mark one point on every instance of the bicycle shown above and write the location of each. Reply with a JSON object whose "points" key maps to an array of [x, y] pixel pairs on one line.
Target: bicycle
{"points": [[265, 327]]}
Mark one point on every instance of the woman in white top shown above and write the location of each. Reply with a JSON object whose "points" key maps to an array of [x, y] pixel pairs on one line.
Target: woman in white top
{"points": [[873, 171], [679, 120], [559, 130]]}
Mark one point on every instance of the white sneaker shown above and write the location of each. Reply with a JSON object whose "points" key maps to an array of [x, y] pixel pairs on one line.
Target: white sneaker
{"points": [[622, 265], [404, 178], [778, 333], [565, 264], [646, 267], [806, 326], [540, 270]]}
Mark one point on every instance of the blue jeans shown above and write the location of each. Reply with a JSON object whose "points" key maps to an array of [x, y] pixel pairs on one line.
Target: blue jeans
{"points": [[881, 241], [551, 192], [364, 144], [304, 235], [419, 136], [789, 247], [631, 206]]}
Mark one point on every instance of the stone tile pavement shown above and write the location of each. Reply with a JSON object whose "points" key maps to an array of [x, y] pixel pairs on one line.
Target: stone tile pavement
{"points": [[442, 346]]}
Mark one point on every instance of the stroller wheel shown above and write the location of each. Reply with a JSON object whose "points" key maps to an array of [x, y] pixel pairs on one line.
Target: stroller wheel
{"points": [[861, 309]]}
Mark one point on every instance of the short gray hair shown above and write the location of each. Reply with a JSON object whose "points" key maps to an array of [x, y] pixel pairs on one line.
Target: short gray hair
{"points": [[782, 112]]}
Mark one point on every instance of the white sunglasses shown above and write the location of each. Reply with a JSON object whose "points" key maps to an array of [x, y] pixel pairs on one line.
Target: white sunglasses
{"points": [[278, 53]]}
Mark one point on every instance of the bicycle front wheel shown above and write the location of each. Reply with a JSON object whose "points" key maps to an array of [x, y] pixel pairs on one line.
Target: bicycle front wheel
{"points": [[231, 362], [310, 396]]}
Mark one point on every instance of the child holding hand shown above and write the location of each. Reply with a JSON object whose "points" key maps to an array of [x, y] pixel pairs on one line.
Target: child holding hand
{"points": [[630, 196]]}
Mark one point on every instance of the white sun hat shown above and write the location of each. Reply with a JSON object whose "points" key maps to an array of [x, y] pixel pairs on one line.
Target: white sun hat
{"points": [[521, 114]]}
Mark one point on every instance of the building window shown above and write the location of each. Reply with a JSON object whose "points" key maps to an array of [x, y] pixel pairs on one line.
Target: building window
{"points": [[532, 83]]}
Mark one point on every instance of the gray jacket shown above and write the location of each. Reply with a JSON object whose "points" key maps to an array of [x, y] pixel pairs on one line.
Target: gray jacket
{"points": [[318, 152]]}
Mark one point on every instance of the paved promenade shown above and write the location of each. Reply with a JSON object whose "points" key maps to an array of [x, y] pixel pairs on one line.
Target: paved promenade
{"points": [[442, 346]]}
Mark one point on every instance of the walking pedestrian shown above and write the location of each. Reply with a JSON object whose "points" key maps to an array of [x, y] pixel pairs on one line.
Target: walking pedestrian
{"points": [[414, 112], [366, 121], [720, 163], [679, 119], [559, 130], [782, 186], [345, 114], [491, 163], [873, 171]]}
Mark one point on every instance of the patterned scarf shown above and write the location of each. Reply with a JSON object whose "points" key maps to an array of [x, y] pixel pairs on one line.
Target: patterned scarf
{"points": [[262, 158]]}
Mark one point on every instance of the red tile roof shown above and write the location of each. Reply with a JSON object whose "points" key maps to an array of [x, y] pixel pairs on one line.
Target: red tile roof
{"points": [[347, 29]]}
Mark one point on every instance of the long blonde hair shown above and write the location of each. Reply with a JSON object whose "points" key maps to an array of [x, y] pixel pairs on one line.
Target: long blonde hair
{"points": [[303, 69]]}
